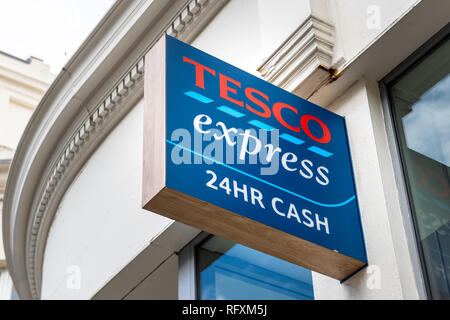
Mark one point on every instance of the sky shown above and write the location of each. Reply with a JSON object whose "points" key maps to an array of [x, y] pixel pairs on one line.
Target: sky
{"points": [[51, 30], [427, 126]]}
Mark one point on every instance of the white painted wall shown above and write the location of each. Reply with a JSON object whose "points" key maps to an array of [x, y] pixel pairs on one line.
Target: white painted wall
{"points": [[6, 285], [360, 22], [22, 85], [382, 279], [161, 284], [245, 32], [100, 226]]}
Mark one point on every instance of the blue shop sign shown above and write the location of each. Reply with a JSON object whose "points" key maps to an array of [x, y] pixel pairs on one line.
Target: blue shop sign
{"points": [[245, 145]]}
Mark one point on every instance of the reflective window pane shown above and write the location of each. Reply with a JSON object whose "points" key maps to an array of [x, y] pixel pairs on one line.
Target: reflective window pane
{"points": [[421, 106], [226, 270]]}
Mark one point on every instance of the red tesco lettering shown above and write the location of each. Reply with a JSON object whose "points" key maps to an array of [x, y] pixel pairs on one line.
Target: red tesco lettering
{"points": [[258, 102]]}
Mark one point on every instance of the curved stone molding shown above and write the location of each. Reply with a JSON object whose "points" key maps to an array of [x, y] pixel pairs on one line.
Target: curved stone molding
{"points": [[304, 61], [185, 26], [91, 126]]}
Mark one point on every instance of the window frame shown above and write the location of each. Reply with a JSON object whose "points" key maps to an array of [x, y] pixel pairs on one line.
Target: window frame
{"points": [[187, 263], [188, 282], [400, 170]]}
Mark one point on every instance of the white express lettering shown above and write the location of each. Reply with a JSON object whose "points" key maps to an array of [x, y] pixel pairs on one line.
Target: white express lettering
{"points": [[198, 122], [251, 145]]}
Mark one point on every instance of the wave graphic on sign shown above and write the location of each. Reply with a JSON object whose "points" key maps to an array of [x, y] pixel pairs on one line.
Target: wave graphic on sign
{"points": [[336, 205]]}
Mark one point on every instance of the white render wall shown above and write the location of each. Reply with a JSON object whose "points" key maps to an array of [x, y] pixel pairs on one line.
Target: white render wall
{"points": [[381, 279], [245, 32], [99, 226], [359, 22], [22, 85], [6, 285]]}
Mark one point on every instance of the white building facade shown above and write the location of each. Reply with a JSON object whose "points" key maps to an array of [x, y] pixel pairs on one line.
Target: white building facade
{"points": [[22, 85], [73, 226]]}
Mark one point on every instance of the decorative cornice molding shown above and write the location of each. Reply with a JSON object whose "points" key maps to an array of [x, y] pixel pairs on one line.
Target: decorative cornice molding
{"points": [[306, 55], [185, 26], [92, 126], [193, 18]]}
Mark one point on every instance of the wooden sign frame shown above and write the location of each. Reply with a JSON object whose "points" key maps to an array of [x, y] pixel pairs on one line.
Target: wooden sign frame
{"points": [[160, 199]]}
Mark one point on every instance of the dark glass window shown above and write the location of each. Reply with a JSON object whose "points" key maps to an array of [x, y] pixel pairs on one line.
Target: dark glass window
{"points": [[226, 270], [420, 101]]}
